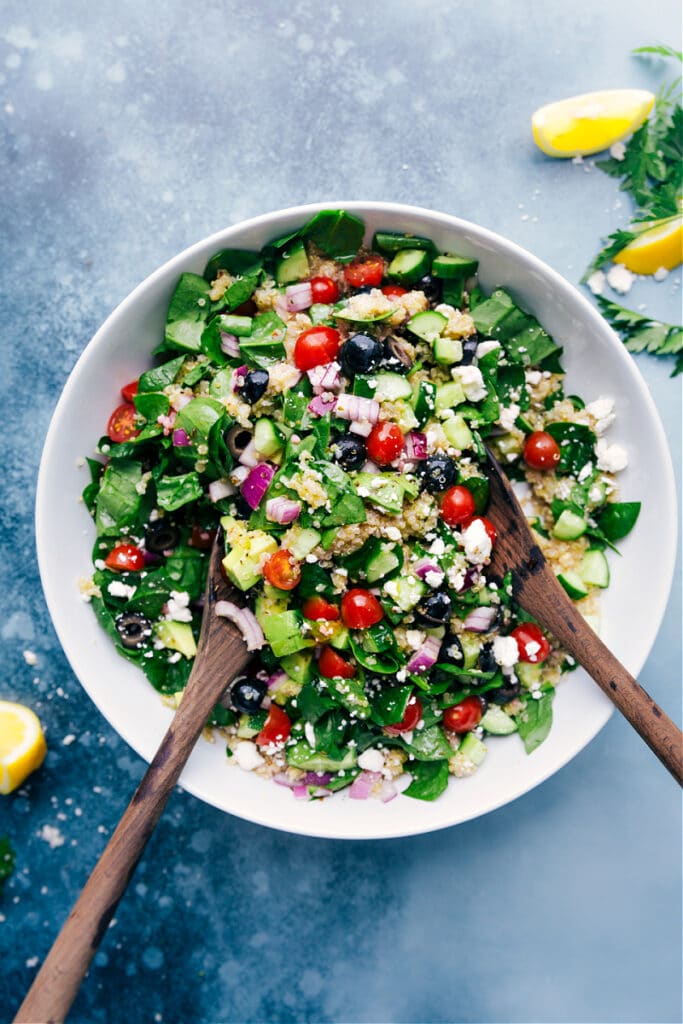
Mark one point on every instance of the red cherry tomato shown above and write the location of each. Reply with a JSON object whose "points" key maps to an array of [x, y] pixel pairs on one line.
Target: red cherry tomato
{"points": [[411, 717], [316, 346], [532, 643], [282, 570], [541, 451], [324, 289], [125, 558], [130, 391], [360, 609], [491, 531], [276, 729], [384, 443], [465, 716], [318, 608], [457, 505], [393, 291], [333, 666], [365, 273], [121, 426], [201, 538]]}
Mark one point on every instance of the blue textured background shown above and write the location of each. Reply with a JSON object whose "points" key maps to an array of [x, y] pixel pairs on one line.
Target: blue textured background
{"points": [[130, 130]]}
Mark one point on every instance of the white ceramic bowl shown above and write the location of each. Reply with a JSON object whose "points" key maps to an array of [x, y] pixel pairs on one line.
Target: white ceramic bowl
{"points": [[596, 364]]}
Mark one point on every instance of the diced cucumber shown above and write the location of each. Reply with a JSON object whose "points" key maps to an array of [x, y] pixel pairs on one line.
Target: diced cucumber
{"points": [[384, 561], [341, 640], [506, 445], [569, 526], [319, 312], [594, 569], [530, 675], [298, 666], [409, 265], [427, 325], [573, 584], [268, 440], [293, 265], [301, 540], [472, 748], [301, 755], [424, 402], [284, 633], [240, 326], [471, 645], [389, 387], [453, 291], [271, 602], [449, 395], [405, 591], [522, 423], [497, 722], [250, 725], [447, 350], [458, 433], [391, 242], [454, 267]]}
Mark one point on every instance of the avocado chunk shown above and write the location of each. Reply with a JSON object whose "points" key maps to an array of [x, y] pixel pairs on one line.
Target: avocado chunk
{"points": [[177, 636], [284, 633], [243, 562]]}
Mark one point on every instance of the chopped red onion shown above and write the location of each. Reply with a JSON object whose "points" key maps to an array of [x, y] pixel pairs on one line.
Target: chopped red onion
{"points": [[167, 422], [471, 577], [151, 558], [325, 378], [298, 297], [229, 344], [183, 400], [246, 622], [361, 427], [480, 620], [282, 510], [416, 445], [388, 791], [249, 456], [426, 656], [219, 489], [284, 780], [363, 784], [281, 307], [181, 438], [322, 404], [238, 474], [238, 376], [424, 566], [353, 407], [277, 679], [300, 792], [257, 483], [317, 778]]}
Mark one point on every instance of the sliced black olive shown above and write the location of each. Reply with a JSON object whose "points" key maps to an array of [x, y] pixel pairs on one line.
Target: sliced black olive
{"points": [[438, 473], [451, 652], [160, 536], [360, 354], [134, 630], [431, 286], [487, 661], [504, 694], [395, 357], [238, 438], [254, 386], [469, 350], [350, 451], [434, 610], [247, 694], [242, 508]]}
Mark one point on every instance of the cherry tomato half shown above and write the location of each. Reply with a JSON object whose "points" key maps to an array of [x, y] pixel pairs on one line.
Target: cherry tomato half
{"points": [[333, 666], [457, 505], [465, 716], [130, 391], [121, 426], [316, 608], [394, 291], [324, 289], [491, 531], [411, 717], [365, 273], [276, 729], [125, 558], [282, 570], [541, 451], [360, 609], [316, 346], [532, 643], [384, 443]]}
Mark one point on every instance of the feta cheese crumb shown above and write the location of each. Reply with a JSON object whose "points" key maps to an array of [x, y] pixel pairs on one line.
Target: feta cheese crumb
{"points": [[596, 282], [118, 589], [505, 651], [68, 740], [484, 347], [477, 543], [585, 472], [177, 606], [617, 150], [247, 756], [620, 279], [415, 638], [52, 836], [434, 578], [661, 274], [472, 382], [371, 761], [309, 733], [30, 657], [602, 410], [508, 416], [612, 458]]}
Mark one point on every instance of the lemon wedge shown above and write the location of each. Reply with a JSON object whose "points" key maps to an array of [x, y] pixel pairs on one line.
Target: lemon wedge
{"points": [[660, 245], [22, 744], [591, 122]]}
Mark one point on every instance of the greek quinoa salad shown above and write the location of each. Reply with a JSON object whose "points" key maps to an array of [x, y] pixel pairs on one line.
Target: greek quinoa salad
{"points": [[326, 404]]}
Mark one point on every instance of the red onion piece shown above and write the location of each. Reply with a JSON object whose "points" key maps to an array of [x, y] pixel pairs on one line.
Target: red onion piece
{"points": [[219, 489], [416, 445], [353, 407], [298, 297], [277, 679], [388, 791], [325, 378], [183, 400], [246, 622], [317, 778], [281, 308], [363, 784], [239, 474], [181, 438], [284, 780], [480, 620], [256, 484], [362, 429], [424, 566], [238, 376], [322, 404], [300, 792], [427, 656], [471, 577], [151, 558], [249, 456], [167, 422], [282, 510], [229, 344]]}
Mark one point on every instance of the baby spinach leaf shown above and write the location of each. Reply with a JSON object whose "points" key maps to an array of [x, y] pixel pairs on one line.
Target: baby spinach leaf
{"points": [[618, 518], [429, 744], [535, 720], [577, 445], [430, 780], [190, 305], [119, 500], [234, 261], [389, 705], [175, 491], [161, 376], [337, 233]]}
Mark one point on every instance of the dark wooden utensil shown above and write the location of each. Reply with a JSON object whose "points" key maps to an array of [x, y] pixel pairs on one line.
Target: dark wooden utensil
{"points": [[221, 655], [537, 590]]}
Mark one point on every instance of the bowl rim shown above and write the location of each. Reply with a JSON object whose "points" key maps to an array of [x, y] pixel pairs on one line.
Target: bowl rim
{"points": [[504, 246]]}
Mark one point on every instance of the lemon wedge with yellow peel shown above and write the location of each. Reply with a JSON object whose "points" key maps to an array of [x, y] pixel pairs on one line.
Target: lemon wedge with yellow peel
{"points": [[22, 745], [660, 245], [591, 122]]}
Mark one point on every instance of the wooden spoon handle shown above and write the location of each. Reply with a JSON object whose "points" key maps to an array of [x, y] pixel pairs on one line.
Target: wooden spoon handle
{"points": [[58, 980]]}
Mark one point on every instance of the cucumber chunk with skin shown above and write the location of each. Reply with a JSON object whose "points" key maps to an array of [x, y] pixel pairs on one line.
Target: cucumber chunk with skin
{"points": [[569, 526], [497, 722], [453, 267], [390, 387], [594, 569], [293, 265], [447, 350], [573, 584], [409, 265], [427, 325]]}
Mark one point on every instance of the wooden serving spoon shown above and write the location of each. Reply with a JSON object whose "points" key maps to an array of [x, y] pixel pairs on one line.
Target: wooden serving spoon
{"points": [[221, 656], [538, 591]]}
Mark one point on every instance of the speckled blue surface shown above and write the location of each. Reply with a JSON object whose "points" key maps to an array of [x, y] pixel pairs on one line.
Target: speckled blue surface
{"points": [[130, 130]]}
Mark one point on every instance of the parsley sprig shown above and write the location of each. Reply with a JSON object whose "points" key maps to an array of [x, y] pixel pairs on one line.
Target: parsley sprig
{"points": [[641, 334], [7, 860]]}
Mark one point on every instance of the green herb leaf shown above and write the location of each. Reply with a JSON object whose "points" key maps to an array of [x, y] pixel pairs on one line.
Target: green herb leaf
{"points": [[535, 720], [618, 519], [7, 861], [175, 491], [641, 334], [430, 780]]}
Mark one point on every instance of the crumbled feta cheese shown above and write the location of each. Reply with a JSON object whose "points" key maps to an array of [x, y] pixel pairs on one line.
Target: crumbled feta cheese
{"points": [[531, 649], [602, 411], [505, 651], [437, 547], [118, 589], [52, 836], [484, 347], [533, 377], [434, 578], [585, 472], [30, 657], [620, 279], [661, 274], [612, 458], [472, 382], [508, 416], [309, 733], [392, 532], [247, 756], [371, 761], [477, 543], [177, 607], [617, 150], [415, 638], [596, 282]]}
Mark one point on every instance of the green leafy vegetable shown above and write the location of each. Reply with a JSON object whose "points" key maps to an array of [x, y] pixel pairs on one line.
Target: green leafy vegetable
{"points": [[535, 720], [430, 779], [175, 491], [618, 519], [641, 334], [7, 861], [577, 445]]}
